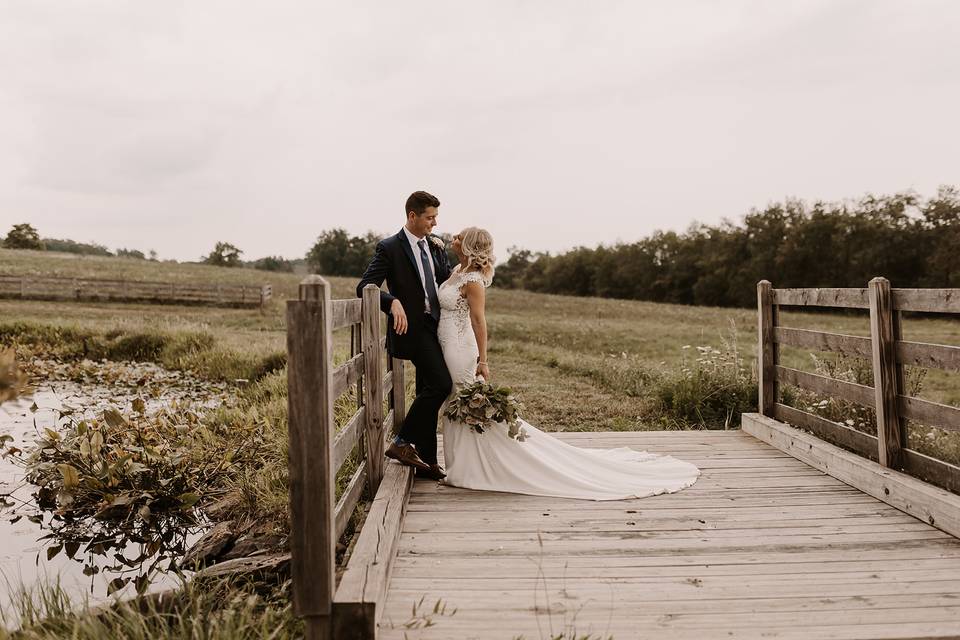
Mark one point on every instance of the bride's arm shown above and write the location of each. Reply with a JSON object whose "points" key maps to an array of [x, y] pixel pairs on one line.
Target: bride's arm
{"points": [[476, 297]]}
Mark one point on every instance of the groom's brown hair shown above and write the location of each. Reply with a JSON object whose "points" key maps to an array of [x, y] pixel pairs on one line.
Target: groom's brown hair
{"points": [[419, 201]]}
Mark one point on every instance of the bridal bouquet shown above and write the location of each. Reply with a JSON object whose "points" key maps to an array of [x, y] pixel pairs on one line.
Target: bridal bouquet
{"points": [[481, 404]]}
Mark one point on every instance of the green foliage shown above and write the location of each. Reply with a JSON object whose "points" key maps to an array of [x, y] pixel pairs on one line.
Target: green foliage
{"points": [[23, 236], [71, 246], [113, 344], [908, 240], [228, 610], [482, 404], [337, 253], [224, 254], [272, 263], [195, 351], [131, 253], [709, 390], [133, 476], [127, 466]]}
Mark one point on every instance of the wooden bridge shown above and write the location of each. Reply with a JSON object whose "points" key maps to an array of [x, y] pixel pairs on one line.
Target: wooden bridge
{"points": [[785, 534]]}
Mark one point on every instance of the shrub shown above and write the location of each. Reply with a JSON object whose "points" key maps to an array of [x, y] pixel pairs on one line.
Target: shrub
{"points": [[710, 391]]}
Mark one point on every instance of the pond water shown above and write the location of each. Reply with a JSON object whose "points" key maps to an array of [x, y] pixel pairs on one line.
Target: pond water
{"points": [[33, 548]]}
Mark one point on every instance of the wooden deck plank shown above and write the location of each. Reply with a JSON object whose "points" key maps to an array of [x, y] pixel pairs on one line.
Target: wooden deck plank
{"points": [[612, 568], [762, 546]]}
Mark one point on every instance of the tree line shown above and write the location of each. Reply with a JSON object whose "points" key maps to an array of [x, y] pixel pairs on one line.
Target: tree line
{"points": [[912, 241], [224, 254], [337, 253], [25, 236]]}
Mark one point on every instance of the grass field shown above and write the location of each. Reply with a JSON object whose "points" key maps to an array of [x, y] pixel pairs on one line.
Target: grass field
{"points": [[576, 363]]}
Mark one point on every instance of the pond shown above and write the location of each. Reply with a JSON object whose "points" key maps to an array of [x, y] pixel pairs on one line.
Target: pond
{"points": [[90, 558]]}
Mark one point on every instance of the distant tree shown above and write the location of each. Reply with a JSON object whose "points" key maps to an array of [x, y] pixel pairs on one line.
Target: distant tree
{"points": [[224, 254], [272, 263], [131, 253], [23, 236], [510, 273], [152, 255], [72, 246], [941, 217], [448, 243], [337, 253]]}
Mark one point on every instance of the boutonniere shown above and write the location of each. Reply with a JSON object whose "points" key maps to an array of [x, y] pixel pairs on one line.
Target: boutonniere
{"points": [[437, 242]]}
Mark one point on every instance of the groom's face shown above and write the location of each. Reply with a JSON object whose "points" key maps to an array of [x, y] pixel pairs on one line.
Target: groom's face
{"points": [[423, 224]]}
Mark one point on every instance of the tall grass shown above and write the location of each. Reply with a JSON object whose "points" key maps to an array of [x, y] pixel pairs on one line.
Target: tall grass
{"points": [[188, 350], [709, 388], [225, 610]]}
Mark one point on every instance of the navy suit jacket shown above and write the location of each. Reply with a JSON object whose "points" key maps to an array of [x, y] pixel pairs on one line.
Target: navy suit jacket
{"points": [[395, 262]]}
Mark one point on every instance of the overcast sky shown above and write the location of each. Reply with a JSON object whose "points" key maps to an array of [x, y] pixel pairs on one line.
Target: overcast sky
{"points": [[170, 125]]}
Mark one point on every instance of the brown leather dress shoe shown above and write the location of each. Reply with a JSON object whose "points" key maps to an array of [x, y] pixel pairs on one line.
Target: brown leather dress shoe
{"points": [[406, 454], [434, 472]]}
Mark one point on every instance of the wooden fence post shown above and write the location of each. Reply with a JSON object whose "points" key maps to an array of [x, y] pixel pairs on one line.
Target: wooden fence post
{"points": [[356, 342], [356, 346], [373, 386], [890, 435], [310, 428], [766, 350], [266, 292]]}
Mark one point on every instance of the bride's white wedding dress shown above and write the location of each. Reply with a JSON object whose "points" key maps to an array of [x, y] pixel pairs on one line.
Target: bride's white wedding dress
{"points": [[541, 465]]}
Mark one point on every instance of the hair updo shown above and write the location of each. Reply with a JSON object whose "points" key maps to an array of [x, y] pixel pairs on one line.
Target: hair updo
{"points": [[477, 245]]}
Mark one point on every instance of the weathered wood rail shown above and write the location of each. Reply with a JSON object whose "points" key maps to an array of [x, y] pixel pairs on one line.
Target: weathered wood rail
{"points": [[888, 352], [318, 451], [106, 290]]}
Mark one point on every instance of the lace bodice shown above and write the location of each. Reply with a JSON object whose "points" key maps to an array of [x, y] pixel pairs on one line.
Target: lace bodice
{"points": [[455, 331], [449, 293]]}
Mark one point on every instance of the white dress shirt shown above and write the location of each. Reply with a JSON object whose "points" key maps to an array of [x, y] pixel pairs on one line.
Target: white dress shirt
{"points": [[416, 258]]}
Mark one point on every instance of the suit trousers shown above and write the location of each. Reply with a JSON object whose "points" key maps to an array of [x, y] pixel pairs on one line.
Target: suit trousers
{"points": [[433, 387]]}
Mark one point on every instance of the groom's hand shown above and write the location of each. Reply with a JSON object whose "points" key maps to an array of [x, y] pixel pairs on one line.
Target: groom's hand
{"points": [[399, 317]]}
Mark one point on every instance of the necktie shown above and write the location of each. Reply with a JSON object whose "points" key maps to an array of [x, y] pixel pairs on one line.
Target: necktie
{"points": [[428, 281]]}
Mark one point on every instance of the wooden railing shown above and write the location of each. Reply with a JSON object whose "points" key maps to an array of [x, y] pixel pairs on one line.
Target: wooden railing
{"points": [[99, 289], [317, 452], [887, 351]]}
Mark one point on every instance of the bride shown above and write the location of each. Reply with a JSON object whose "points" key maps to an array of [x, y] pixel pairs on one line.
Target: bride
{"points": [[540, 465]]}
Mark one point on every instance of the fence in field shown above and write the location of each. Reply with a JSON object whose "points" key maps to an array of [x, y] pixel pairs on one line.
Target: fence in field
{"points": [[317, 451], [96, 289], [888, 352]]}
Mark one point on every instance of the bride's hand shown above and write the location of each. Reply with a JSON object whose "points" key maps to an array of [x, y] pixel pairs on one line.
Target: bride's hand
{"points": [[483, 370]]}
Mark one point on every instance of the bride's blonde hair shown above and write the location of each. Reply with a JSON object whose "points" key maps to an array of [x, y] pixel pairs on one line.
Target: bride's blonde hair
{"points": [[477, 245]]}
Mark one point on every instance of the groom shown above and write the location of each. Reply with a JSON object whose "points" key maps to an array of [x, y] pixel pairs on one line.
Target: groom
{"points": [[414, 264]]}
